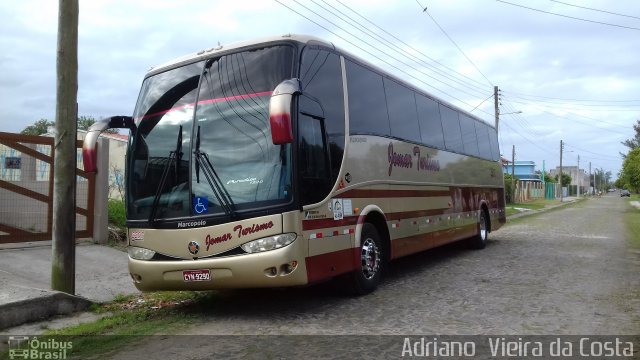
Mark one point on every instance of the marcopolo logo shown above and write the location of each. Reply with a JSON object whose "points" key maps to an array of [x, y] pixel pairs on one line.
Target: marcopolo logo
{"points": [[187, 224], [23, 347]]}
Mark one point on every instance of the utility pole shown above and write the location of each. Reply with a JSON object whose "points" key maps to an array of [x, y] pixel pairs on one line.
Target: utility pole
{"points": [[496, 102], [513, 176], [590, 177], [579, 176], [560, 175], [64, 178]]}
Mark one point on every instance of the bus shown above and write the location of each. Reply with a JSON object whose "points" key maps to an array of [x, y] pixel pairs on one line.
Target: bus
{"points": [[287, 161]]}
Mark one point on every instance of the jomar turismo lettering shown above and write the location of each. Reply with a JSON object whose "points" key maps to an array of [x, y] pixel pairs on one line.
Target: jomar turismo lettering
{"points": [[399, 160], [250, 230]]}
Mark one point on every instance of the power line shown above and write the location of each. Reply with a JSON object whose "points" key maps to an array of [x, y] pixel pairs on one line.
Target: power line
{"points": [[566, 99], [408, 45], [582, 107], [584, 123], [424, 10], [528, 140], [374, 55], [591, 152], [387, 54], [570, 17], [592, 9], [363, 29]]}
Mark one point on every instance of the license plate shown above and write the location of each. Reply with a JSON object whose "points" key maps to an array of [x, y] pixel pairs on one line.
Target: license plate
{"points": [[196, 275]]}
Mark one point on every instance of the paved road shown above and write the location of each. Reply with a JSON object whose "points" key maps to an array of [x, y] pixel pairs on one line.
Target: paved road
{"points": [[566, 271]]}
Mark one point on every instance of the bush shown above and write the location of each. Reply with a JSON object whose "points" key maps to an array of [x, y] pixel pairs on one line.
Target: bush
{"points": [[508, 190], [116, 213]]}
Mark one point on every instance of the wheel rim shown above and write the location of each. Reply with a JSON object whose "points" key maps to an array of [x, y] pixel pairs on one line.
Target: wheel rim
{"points": [[370, 258], [483, 227]]}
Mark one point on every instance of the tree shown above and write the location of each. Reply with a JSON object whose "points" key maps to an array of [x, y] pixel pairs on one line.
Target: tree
{"points": [[38, 128], [633, 143], [602, 179], [41, 126], [631, 170], [566, 179], [84, 122]]}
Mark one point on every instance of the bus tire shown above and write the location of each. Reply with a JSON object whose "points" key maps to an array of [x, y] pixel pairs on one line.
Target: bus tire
{"points": [[480, 240], [371, 264]]}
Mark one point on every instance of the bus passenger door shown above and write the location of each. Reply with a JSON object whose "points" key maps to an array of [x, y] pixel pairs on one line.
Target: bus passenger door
{"points": [[313, 157]]}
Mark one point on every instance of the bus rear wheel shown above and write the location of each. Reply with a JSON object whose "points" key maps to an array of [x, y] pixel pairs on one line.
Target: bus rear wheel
{"points": [[371, 258], [480, 240]]}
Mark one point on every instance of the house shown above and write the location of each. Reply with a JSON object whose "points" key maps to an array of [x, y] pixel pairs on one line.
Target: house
{"points": [[524, 170]]}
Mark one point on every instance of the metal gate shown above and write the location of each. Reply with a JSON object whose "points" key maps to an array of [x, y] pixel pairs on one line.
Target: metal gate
{"points": [[26, 190]]}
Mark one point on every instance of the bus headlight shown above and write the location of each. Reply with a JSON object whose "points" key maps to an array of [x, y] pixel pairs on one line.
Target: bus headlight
{"points": [[140, 253], [269, 243]]}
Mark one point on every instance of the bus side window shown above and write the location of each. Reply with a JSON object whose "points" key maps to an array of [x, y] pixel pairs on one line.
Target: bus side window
{"points": [[451, 129]]}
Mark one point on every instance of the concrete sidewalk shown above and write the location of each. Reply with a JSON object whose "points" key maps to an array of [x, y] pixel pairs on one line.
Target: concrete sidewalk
{"points": [[25, 277]]}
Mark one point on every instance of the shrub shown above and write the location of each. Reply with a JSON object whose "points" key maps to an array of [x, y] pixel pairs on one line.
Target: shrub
{"points": [[116, 213]]}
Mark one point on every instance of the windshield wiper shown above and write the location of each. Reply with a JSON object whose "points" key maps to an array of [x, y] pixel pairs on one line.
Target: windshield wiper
{"points": [[219, 191], [174, 158]]}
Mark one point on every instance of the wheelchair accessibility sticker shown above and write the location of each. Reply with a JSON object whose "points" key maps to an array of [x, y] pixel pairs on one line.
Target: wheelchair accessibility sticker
{"points": [[200, 205]]}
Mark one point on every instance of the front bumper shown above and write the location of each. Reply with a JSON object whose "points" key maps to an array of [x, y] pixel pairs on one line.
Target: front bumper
{"points": [[240, 271]]}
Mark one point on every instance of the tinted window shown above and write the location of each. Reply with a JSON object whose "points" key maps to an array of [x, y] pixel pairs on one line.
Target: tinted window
{"points": [[430, 124], [164, 114], [232, 116], [312, 159], [321, 77], [451, 129], [367, 104], [469, 138], [493, 141], [484, 145], [402, 111]]}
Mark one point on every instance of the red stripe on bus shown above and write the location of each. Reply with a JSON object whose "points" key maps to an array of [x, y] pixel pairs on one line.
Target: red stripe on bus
{"points": [[413, 244], [414, 214], [205, 102], [325, 266], [328, 223], [362, 193], [353, 220]]}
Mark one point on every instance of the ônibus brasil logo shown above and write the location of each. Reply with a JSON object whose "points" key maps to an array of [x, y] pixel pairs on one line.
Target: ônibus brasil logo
{"points": [[24, 347]]}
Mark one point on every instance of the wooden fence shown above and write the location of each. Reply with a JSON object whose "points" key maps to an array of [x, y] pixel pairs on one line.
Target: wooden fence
{"points": [[26, 190]]}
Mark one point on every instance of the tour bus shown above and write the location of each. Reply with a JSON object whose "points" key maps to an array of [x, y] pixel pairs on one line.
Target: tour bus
{"points": [[287, 162]]}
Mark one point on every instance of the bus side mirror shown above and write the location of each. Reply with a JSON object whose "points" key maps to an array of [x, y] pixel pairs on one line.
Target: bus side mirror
{"points": [[280, 111], [89, 155]]}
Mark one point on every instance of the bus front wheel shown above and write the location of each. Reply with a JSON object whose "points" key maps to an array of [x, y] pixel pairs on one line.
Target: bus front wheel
{"points": [[371, 261]]}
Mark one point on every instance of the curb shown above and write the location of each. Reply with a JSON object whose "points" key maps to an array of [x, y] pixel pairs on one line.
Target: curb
{"points": [[534, 212], [40, 308]]}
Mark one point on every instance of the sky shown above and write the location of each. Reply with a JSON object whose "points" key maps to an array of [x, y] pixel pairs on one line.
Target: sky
{"points": [[571, 67]]}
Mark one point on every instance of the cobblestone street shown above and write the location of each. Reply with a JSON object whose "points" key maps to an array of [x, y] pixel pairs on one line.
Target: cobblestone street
{"points": [[565, 271]]}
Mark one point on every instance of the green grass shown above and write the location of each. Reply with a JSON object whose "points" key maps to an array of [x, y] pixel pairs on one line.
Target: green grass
{"points": [[552, 208], [127, 319], [531, 205], [632, 222], [116, 213]]}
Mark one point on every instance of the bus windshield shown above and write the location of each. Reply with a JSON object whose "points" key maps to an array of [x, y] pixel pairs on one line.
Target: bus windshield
{"points": [[203, 145]]}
